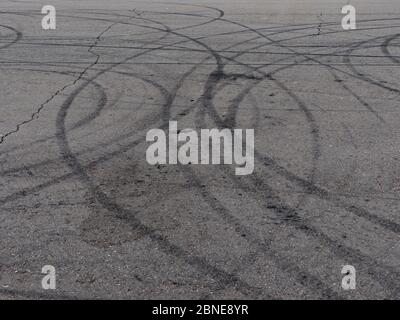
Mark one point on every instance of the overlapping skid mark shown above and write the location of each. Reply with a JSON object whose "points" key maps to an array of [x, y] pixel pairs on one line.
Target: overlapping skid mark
{"points": [[172, 45], [223, 277], [327, 289], [45, 139], [385, 47], [384, 44], [219, 274], [70, 84], [287, 266], [92, 116], [122, 73], [126, 74], [304, 225], [126, 22], [113, 71], [95, 113], [218, 121], [18, 36], [37, 112], [358, 74], [314, 129], [386, 224]]}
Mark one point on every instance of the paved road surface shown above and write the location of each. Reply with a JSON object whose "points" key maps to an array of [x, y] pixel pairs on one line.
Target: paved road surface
{"points": [[77, 193]]}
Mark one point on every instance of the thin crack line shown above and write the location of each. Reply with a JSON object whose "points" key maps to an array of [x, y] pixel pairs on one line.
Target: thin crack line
{"points": [[35, 115], [319, 27]]}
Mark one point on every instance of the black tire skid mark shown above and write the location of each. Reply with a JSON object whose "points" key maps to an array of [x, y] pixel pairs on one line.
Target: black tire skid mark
{"points": [[18, 36], [286, 213], [218, 75], [166, 34], [387, 276], [167, 117], [208, 96], [215, 74], [394, 276], [235, 44], [24, 192], [82, 74], [85, 121], [159, 30], [284, 263], [357, 97], [104, 158], [385, 48], [223, 277], [198, 262], [304, 278], [37, 112], [311, 187], [71, 84], [129, 16], [358, 75], [229, 122], [303, 226], [202, 263], [109, 70], [314, 128], [309, 115], [290, 217], [232, 116], [211, 19], [100, 104], [310, 26], [227, 33], [67, 176]]}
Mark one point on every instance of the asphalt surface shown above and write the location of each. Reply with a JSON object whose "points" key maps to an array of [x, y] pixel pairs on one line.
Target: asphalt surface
{"points": [[77, 193]]}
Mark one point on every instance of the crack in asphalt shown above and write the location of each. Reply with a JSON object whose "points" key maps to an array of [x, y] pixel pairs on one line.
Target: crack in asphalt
{"points": [[319, 27], [35, 115]]}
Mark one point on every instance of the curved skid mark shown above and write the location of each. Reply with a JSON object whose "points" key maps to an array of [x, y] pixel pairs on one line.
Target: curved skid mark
{"points": [[73, 162], [223, 277], [18, 36]]}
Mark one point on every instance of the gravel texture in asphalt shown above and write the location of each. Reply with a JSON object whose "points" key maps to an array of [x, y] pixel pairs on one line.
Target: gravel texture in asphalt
{"points": [[77, 193]]}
